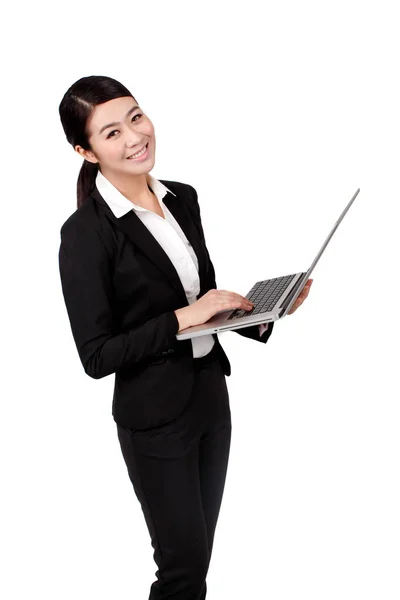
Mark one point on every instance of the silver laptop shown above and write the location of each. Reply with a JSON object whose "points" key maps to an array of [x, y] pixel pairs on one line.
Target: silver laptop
{"points": [[272, 298]]}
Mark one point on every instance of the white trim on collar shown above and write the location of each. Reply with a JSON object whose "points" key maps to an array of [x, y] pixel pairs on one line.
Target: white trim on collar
{"points": [[117, 201]]}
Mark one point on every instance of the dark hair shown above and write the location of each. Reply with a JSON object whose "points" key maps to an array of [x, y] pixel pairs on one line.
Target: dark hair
{"points": [[75, 109]]}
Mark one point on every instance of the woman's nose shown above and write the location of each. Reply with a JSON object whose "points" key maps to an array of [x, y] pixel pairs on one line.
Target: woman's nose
{"points": [[133, 139], [131, 142]]}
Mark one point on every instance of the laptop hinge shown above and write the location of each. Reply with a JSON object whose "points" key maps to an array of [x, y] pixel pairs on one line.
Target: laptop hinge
{"points": [[289, 297]]}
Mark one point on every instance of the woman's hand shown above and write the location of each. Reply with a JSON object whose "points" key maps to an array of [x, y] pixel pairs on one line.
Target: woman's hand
{"points": [[210, 304], [303, 295], [215, 301]]}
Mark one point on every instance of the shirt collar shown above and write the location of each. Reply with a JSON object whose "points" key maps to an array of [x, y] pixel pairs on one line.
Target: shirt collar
{"points": [[117, 201]]}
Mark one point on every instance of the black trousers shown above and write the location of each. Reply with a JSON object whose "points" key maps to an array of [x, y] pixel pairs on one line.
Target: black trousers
{"points": [[178, 473]]}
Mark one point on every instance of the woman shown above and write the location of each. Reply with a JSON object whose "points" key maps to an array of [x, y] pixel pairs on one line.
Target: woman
{"points": [[135, 270]]}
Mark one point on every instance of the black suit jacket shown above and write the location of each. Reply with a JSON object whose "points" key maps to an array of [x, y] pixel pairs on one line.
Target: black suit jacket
{"points": [[121, 290]]}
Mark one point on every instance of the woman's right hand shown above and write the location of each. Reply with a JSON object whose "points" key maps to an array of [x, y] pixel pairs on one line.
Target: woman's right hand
{"points": [[211, 303]]}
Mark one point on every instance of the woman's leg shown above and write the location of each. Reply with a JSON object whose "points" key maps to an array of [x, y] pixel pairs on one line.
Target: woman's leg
{"points": [[164, 475], [178, 474], [214, 453]]}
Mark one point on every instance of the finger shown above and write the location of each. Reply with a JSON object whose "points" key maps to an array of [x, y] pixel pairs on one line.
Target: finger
{"points": [[295, 306], [304, 292]]}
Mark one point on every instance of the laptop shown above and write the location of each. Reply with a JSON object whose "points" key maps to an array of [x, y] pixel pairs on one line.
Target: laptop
{"points": [[272, 298]]}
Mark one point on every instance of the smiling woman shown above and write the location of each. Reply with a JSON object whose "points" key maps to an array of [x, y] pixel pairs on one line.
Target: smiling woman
{"points": [[135, 270], [110, 129]]}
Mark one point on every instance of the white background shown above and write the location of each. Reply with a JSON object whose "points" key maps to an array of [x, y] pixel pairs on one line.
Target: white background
{"points": [[276, 113]]}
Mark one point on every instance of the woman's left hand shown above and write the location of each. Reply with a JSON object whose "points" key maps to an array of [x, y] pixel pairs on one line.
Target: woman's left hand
{"points": [[303, 295]]}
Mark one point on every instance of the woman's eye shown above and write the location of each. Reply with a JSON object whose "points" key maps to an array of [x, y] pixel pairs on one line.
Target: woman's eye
{"points": [[134, 117]]}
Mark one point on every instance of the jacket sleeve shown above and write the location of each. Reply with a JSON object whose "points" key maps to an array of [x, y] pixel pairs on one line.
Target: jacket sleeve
{"points": [[252, 331], [86, 279]]}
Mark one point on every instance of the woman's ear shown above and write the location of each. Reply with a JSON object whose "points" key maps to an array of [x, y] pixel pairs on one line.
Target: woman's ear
{"points": [[86, 154]]}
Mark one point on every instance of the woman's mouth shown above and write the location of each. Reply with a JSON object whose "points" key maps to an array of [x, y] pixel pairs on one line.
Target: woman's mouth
{"points": [[141, 155]]}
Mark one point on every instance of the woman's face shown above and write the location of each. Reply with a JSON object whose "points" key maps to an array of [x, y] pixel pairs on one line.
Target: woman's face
{"points": [[117, 129]]}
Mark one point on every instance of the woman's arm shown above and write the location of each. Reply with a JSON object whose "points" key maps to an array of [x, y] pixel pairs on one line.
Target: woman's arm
{"points": [[253, 331], [86, 278]]}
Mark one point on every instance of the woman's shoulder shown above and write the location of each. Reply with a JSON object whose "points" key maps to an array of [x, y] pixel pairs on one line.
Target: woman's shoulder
{"points": [[185, 193], [178, 187], [86, 218]]}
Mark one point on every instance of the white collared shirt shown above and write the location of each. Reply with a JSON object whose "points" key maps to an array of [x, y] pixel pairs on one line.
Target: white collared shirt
{"points": [[171, 238]]}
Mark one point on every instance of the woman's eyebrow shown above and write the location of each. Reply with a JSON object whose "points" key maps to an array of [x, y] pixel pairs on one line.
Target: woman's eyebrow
{"points": [[117, 122]]}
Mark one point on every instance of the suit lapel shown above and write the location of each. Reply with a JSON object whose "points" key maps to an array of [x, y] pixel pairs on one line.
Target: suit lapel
{"points": [[133, 227]]}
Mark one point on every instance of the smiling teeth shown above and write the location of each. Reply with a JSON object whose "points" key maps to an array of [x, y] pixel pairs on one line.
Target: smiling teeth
{"points": [[139, 153]]}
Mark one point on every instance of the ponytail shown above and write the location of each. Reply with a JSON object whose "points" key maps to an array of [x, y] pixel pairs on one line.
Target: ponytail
{"points": [[86, 181]]}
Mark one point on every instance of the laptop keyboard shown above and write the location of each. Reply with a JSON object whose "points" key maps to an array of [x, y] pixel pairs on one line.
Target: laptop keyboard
{"points": [[264, 294]]}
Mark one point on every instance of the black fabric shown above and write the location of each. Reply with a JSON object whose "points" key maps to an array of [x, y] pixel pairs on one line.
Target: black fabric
{"points": [[121, 290], [178, 473]]}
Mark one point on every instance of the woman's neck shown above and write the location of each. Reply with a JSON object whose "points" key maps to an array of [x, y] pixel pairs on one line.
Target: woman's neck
{"points": [[135, 188]]}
